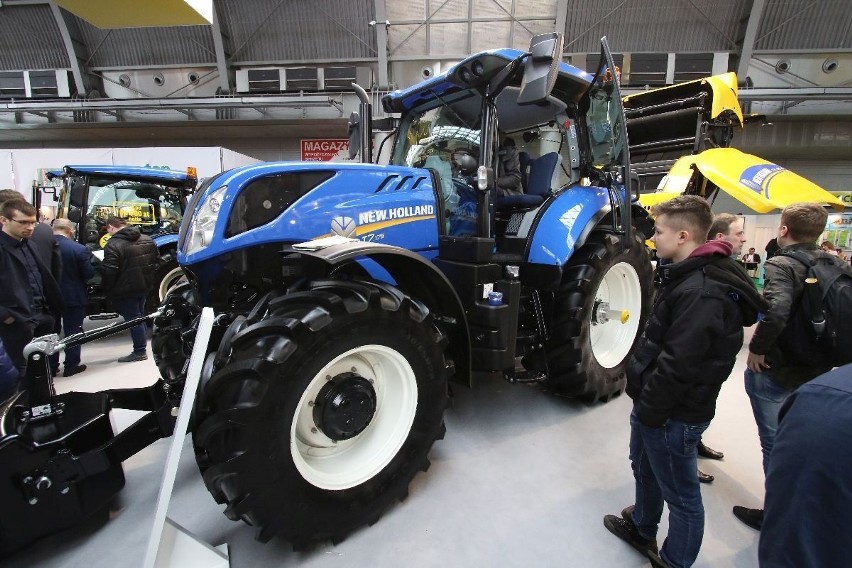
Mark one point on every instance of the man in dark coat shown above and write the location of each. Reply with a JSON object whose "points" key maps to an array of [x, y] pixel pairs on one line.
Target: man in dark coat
{"points": [[42, 239], [674, 376], [808, 485], [77, 269], [30, 293], [128, 273]]}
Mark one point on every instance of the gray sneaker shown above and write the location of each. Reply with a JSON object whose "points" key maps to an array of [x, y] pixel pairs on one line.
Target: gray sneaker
{"points": [[133, 357]]}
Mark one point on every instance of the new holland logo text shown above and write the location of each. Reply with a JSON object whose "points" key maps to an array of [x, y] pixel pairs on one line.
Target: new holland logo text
{"points": [[380, 215]]}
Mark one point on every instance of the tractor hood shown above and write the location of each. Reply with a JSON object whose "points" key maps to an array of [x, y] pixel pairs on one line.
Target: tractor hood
{"points": [[746, 180], [293, 202]]}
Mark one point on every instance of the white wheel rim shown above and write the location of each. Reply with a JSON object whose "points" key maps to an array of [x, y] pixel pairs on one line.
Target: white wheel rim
{"points": [[612, 338], [174, 277], [347, 463]]}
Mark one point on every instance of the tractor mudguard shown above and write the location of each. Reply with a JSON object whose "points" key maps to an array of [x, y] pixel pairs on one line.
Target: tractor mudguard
{"points": [[411, 272], [566, 223], [165, 240]]}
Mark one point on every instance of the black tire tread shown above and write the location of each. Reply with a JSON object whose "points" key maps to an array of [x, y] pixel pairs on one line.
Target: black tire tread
{"points": [[242, 391], [572, 369]]}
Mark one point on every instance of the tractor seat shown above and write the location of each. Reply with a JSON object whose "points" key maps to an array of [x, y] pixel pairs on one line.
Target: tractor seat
{"points": [[537, 185]]}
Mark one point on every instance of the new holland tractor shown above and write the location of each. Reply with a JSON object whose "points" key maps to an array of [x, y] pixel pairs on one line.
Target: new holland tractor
{"points": [[153, 199], [349, 296]]}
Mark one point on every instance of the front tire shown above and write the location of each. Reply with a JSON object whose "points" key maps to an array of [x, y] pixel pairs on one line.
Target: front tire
{"points": [[599, 312], [323, 407]]}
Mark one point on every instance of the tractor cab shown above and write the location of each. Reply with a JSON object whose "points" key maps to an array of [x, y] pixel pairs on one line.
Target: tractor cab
{"points": [[151, 198], [565, 125]]}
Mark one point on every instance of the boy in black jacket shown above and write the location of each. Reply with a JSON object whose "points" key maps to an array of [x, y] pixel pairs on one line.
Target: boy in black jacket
{"points": [[674, 376]]}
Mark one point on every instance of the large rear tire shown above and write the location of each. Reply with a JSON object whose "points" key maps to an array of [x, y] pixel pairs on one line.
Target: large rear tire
{"points": [[323, 407], [599, 312]]}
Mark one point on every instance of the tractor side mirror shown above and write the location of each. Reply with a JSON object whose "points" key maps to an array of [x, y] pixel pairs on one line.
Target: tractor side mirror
{"points": [[74, 214], [77, 189], [541, 68]]}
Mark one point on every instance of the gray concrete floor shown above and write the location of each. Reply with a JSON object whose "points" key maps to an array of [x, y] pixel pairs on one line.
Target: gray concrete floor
{"points": [[521, 479]]}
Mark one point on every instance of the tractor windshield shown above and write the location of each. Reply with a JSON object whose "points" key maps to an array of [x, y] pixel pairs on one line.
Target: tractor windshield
{"points": [[152, 207], [440, 140]]}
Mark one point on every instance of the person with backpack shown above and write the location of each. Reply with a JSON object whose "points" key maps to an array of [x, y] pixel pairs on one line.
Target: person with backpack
{"points": [[787, 348]]}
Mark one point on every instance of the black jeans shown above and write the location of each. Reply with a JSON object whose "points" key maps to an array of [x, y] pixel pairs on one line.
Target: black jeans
{"points": [[16, 335]]}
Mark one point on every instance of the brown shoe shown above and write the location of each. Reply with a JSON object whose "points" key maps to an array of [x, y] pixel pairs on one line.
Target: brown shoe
{"points": [[709, 453], [705, 477]]}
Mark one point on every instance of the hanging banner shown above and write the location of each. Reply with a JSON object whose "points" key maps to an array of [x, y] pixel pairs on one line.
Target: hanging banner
{"points": [[325, 149], [845, 197]]}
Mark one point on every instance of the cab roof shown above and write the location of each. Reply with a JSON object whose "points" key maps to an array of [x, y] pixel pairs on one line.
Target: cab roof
{"points": [[160, 176], [571, 83]]}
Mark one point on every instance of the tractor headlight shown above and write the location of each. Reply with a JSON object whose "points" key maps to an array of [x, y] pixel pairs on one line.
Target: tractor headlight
{"points": [[204, 221]]}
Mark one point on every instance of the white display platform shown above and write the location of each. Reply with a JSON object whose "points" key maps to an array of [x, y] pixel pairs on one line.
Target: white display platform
{"points": [[169, 544]]}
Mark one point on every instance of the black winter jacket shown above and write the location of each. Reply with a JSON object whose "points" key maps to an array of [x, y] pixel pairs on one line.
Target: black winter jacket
{"points": [[783, 288], [130, 264], [692, 338]]}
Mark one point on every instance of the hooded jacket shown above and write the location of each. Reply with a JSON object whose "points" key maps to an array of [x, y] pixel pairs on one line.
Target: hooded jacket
{"points": [[693, 336], [130, 264]]}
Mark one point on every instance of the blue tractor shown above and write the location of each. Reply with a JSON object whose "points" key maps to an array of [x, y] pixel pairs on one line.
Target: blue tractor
{"points": [[348, 296], [154, 199]]}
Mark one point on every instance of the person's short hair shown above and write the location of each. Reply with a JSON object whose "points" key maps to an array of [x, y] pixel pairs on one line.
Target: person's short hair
{"points": [[751, 249], [805, 221], [19, 204], [687, 213], [721, 224], [114, 221], [7, 194], [64, 226]]}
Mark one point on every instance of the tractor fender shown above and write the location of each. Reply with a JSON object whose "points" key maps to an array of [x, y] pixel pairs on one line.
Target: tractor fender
{"points": [[411, 273], [165, 240], [566, 223]]}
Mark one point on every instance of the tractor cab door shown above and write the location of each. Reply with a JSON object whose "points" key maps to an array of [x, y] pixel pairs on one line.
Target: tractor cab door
{"points": [[607, 133]]}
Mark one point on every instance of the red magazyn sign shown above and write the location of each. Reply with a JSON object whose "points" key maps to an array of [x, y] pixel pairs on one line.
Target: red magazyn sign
{"points": [[324, 149]]}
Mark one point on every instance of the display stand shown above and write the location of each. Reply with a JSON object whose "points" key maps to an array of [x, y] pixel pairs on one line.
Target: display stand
{"points": [[169, 544]]}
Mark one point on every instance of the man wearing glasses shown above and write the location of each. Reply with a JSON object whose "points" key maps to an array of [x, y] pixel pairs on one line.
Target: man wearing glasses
{"points": [[30, 294]]}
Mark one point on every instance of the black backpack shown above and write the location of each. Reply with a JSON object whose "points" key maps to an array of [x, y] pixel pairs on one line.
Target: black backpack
{"points": [[820, 326]]}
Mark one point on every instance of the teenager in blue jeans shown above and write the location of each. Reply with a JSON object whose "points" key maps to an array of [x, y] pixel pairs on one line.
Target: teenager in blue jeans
{"points": [[772, 373], [674, 376]]}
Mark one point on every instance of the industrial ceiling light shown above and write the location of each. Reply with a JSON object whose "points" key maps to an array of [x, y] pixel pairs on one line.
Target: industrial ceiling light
{"points": [[159, 79], [829, 65], [782, 66]]}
